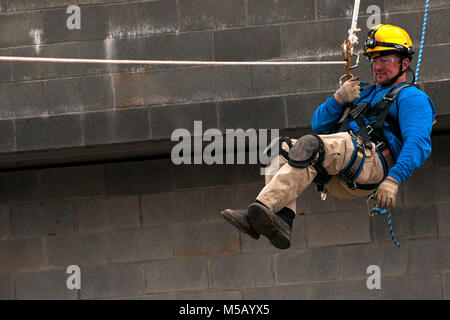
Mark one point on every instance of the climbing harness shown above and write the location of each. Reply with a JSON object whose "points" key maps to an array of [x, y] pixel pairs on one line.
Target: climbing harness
{"points": [[422, 40], [382, 212]]}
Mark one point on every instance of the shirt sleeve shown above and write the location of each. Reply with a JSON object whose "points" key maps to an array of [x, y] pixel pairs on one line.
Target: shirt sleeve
{"points": [[326, 115], [416, 115]]}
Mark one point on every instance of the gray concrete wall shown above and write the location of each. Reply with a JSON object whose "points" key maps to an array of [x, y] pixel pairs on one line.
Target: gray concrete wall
{"points": [[86, 174]]}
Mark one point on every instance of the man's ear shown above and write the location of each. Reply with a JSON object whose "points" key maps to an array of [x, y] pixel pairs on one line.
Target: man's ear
{"points": [[405, 64]]}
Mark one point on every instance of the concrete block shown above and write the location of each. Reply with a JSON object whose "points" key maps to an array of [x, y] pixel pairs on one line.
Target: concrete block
{"points": [[169, 296], [266, 80], [145, 18], [4, 222], [48, 132], [69, 182], [116, 126], [21, 254], [264, 113], [419, 188], [47, 285], [21, 28], [176, 275], [215, 83], [416, 287], [442, 187], [309, 202], [351, 204], [356, 259], [245, 44], [413, 222], [440, 151], [429, 255], [166, 119], [21, 71], [181, 85], [300, 108], [17, 5], [106, 213], [182, 46], [432, 68], [328, 35], [49, 218], [249, 173], [7, 139], [26, 98], [77, 249], [6, 287], [140, 244], [5, 67], [185, 206], [306, 266], [79, 94], [275, 11], [112, 281], [444, 220], [241, 271], [187, 176], [285, 292], [159, 87], [19, 186], [338, 228], [447, 286], [295, 79], [7, 110], [327, 9], [344, 290], [137, 177], [217, 295], [205, 239], [211, 14], [408, 5], [94, 24]]}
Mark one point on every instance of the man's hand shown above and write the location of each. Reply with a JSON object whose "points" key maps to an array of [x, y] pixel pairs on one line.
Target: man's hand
{"points": [[348, 92], [387, 193]]}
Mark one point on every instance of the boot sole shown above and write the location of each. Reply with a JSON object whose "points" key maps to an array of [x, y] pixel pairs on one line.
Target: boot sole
{"points": [[265, 223], [235, 223]]}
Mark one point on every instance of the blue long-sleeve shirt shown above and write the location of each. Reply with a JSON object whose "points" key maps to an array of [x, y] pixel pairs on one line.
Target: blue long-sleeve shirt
{"points": [[415, 114]]}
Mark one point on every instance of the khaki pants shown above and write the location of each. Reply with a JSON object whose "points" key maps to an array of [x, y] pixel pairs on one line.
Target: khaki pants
{"points": [[288, 182]]}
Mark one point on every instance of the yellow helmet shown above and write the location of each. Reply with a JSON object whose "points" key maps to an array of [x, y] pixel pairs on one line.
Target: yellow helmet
{"points": [[389, 38]]}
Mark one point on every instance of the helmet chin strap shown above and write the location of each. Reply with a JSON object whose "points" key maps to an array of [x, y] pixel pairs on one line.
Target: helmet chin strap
{"points": [[399, 74]]}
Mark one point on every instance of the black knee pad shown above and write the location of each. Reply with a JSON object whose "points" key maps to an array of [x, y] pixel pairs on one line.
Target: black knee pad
{"points": [[305, 150], [276, 144]]}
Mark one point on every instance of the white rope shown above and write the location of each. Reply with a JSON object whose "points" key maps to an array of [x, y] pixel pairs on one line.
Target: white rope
{"points": [[352, 37], [168, 62]]}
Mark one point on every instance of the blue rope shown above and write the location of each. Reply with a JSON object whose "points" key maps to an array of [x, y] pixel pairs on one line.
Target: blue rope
{"points": [[386, 212], [425, 18]]}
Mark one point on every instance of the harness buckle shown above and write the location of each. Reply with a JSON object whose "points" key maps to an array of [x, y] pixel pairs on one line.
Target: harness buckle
{"points": [[379, 144], [369, 129], [389, 97], [352, 185]]}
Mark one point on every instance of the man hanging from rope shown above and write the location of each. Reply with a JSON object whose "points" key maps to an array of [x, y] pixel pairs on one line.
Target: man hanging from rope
{"points": [[371, 138]]}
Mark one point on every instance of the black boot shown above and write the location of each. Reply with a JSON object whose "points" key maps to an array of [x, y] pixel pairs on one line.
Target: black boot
{"points": [[275, 227], [239, 219]]}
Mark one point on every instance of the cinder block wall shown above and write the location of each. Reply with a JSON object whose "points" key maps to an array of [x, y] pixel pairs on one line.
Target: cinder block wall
{"points": [[141, 227]]}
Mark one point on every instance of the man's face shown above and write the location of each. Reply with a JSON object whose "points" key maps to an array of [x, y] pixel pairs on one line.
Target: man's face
{"points": [[385, 68]]}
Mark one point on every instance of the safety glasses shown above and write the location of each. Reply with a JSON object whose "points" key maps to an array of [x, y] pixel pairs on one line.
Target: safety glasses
{"points": [[384, 61]]}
